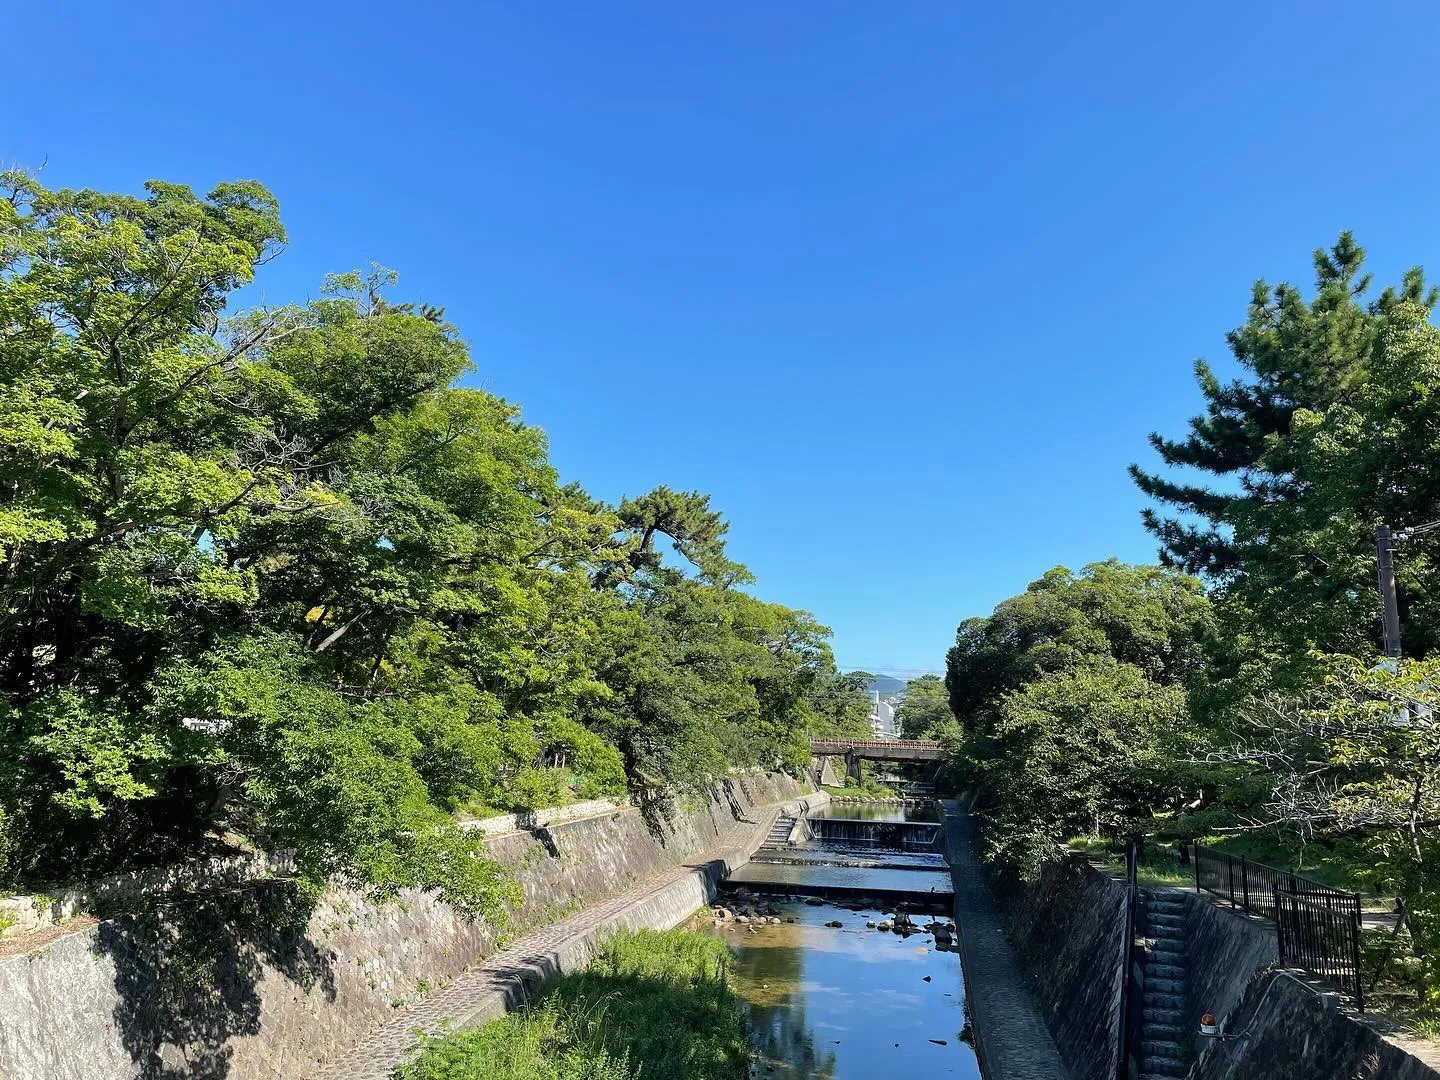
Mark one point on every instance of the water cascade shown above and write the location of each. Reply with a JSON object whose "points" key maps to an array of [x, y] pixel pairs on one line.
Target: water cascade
{"points": [[859, 832]]}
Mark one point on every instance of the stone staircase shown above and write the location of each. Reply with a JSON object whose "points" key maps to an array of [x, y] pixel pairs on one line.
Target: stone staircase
{"points": [[779, 835], [1162, 1036]]}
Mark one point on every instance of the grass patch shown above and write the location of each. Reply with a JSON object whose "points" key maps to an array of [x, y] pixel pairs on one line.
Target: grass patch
{"points": [[1158, 865], [652, 1004], [1332, 866], [1427, 1027], [870, 789]]}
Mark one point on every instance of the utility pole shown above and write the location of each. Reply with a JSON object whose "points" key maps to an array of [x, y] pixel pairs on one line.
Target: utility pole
{"points": [[1385, 544], [1390, 613]]}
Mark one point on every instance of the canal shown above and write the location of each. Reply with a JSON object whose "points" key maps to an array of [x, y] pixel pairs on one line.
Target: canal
{"points": [[848, 1001]]}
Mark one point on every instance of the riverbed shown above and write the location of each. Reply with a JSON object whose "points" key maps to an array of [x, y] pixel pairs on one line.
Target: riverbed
{"points": [[849, 1003]]}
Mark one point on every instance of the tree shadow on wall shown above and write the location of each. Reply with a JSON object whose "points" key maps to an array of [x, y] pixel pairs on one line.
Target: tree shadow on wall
{"points": [[188, 974], [737, 808], [657, 810]]}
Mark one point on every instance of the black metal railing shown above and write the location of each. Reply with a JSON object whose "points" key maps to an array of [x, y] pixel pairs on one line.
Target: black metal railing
{"points": [[1249, 886], [1317, 926], [1319, 931], [1132, 991]]}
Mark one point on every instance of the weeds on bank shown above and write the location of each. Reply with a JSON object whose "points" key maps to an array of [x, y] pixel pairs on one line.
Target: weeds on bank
{"points": [[651, 1004], [1156, 868]]}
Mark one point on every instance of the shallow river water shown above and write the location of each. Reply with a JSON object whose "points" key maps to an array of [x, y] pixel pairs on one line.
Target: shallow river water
{"points": [[849, 1003]]}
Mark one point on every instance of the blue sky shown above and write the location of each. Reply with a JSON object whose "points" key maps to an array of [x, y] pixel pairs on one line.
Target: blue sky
{"points": [[902, 285]]}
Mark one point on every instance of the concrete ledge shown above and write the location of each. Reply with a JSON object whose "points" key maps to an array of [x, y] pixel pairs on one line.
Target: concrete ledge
{"points": [[535, 819]]}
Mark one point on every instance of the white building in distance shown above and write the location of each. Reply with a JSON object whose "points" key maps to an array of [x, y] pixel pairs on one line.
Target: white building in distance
{"points": [[882, 719]]}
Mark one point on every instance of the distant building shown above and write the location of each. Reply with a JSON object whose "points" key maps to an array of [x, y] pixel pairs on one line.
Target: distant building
{"points": [[882, 719]]}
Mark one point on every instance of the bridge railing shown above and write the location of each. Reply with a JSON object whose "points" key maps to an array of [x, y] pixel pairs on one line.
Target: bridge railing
{"points": [[839, 746]]}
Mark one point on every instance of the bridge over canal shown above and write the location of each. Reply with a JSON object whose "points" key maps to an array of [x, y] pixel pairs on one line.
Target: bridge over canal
{"points": [[900, 751]]}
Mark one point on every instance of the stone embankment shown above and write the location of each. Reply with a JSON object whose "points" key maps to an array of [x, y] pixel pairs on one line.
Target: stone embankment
{"points": [[1067, 927], [255, 983]]}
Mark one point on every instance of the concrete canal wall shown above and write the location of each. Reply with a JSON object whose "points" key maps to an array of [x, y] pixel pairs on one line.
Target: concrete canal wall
{"points": [[1297, 1034], [255, 983], [1066, 927]]}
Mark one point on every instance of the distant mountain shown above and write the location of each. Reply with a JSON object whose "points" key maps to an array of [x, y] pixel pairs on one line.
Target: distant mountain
{"points": [[887, 685]]}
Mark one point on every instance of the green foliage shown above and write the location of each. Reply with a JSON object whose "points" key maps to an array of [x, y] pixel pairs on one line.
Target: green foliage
{"points": [[1090, 748], [1072, 701], [925, 708], [1297, 357], [1354, 763], [274, 573], [651, 1004], [1325, 436], [1147, 616]]}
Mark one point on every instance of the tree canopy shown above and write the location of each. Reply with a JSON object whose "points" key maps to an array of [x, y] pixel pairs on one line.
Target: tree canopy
{"points": [[274, 574], [1072, 697]]}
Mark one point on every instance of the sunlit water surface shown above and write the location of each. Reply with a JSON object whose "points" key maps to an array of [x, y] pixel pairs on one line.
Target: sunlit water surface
{"points": [[849, 1004]]}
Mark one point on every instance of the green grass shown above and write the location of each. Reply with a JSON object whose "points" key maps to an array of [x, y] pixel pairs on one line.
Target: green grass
{"points": [[1157, 867], [869, 789], [652, 1004], [1427, 1028], [1329, 866]]}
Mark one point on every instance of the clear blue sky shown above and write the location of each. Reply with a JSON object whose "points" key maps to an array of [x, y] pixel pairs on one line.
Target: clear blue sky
{"points": [[903, 285]]}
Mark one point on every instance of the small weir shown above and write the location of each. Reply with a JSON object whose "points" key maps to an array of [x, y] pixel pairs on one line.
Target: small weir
{"points": [[863, 832], [833, 990]]}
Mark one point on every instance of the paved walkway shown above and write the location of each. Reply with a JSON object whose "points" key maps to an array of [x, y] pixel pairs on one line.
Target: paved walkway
{"points": [[509, 977], [1011, 1039]]}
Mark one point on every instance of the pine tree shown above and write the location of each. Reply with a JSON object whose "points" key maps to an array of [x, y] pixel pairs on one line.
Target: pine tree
{"points": [[1297, 356]]}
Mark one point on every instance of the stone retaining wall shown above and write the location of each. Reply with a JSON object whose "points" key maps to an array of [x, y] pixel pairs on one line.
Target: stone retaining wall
{"points": [[25, 914], [1225, 950], [256, 983], [1068, 927], [1295, 1033]]}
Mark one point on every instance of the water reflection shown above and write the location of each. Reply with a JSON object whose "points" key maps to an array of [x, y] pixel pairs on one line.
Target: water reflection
{"points": [[849, 1004]]}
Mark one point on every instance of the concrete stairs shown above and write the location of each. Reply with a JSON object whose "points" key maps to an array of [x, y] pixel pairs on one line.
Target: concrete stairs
{"points": [[1162, 1035], [779, 835]]}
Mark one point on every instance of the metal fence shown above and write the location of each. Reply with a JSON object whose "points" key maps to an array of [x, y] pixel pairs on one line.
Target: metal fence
{"points": [[1319, 931], [1249, 886], [1317, 926]]}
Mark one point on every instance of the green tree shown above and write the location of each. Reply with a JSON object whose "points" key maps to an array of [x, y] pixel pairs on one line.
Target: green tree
{"points": [[274, 573], [1072, 699], [1095, 748], [1353, 763], [925, 708], [1149, 616], [1295, 356]]}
